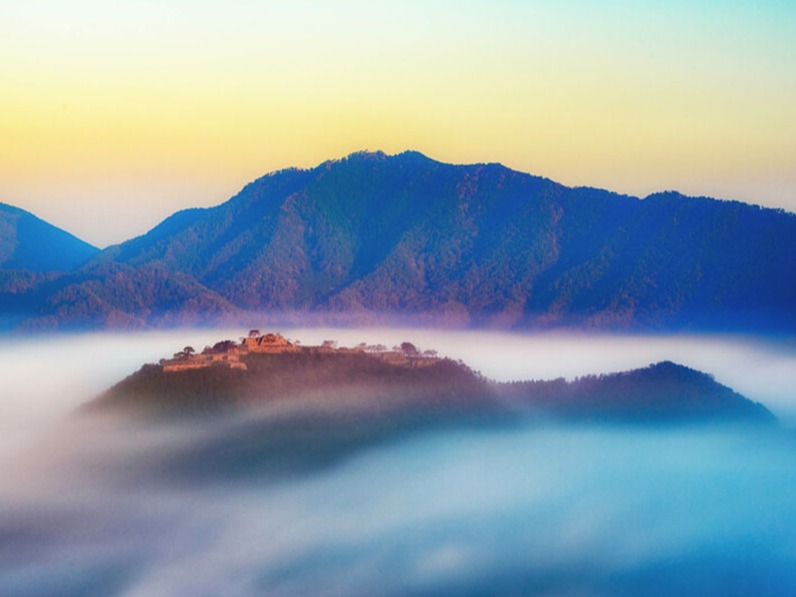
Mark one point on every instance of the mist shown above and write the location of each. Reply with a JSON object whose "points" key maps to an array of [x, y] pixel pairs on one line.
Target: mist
{"points": [[103, 506], [761, 368]]}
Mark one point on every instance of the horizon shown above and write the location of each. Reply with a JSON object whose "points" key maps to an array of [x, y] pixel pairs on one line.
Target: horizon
{"points": [[369, 152], [116, 116]]}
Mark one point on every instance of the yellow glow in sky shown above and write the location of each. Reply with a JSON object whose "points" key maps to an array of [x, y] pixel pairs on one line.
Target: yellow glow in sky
{"points": [[114, 115]]}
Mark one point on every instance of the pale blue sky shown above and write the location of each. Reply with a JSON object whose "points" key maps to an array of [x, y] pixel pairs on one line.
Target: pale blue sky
{"points": [[115, 114]]}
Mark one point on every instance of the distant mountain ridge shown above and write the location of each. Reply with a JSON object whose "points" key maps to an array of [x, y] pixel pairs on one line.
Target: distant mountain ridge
{"points": [[29, 243], [373, 236]]}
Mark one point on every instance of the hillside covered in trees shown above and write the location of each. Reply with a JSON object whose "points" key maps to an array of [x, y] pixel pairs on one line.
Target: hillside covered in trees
{"points": [[376, 238], [379, 384]]}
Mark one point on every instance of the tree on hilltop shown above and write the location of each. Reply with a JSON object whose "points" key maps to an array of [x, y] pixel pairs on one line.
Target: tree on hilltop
{"points": [[409, 349]]}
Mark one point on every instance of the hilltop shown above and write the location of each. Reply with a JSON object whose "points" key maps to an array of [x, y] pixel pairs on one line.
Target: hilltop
{"points": [[376, 381], [268, 368]]}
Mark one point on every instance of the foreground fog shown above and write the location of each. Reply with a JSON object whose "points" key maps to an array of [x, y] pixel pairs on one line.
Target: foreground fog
{"points": [[102, 507], [573, 510]]}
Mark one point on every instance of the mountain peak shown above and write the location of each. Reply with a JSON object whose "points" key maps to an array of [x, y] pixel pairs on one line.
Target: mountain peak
{"points": [[374, 237], [29, 243], [667, 366], [365, 155], [370, 157]]}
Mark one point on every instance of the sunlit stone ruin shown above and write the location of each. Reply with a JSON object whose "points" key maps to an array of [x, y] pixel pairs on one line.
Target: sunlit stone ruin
{"points": [[230, 354]]}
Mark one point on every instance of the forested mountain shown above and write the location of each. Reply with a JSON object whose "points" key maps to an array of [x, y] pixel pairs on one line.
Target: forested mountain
{"points": [[367, 384], [374, 236], [663, 391], [28, 243], [112, 296], [482, 245]]}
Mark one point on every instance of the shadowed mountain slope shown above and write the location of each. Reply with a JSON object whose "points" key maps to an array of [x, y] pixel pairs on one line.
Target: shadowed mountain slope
{"points": [[661, 392], [28, 243], [111, 296]]}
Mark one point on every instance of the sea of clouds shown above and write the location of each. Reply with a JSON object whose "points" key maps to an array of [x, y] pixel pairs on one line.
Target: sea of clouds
{"points": [[100, 507]]}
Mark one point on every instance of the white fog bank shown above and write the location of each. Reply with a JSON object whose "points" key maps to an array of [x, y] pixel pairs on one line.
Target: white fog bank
{"points": [[90, 509], [557, 511]]}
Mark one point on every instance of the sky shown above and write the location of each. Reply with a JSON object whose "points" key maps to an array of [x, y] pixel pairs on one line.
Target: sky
{"points": [[113, 115]]}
